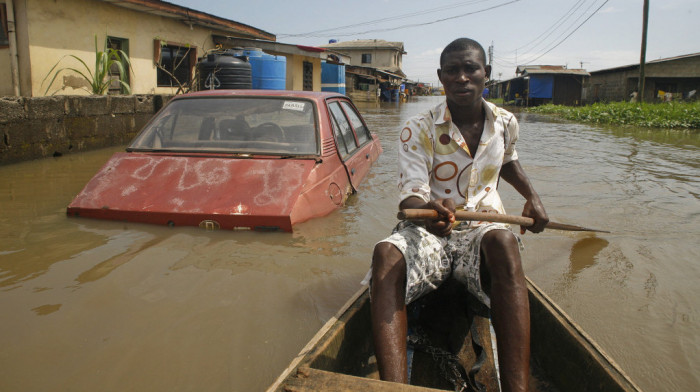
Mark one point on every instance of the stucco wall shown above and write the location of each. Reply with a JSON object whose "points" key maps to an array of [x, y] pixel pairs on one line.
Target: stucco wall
{"points": [[5, 74], [41, 127], [380, 57], [295, 73], [56, 28]]}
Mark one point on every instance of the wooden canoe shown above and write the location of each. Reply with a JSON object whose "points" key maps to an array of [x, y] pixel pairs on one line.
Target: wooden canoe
{"points": [[563, 357]]}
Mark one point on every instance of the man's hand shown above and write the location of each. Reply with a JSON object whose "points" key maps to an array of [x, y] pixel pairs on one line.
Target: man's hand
{"points": [[535, 210], [442, 226]]}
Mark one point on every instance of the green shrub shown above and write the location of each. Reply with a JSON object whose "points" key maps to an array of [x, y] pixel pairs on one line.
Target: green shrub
{"points": [[99, 78], [656, 115]]}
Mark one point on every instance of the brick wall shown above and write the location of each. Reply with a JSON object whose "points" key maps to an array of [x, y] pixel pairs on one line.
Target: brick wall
{"points": [[42, 127]]}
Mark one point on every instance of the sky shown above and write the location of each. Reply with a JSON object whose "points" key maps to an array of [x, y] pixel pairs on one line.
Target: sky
{"points": [[588, 34]]}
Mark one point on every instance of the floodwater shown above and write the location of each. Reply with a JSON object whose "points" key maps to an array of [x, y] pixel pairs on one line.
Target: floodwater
{"points": [[92, 305]]}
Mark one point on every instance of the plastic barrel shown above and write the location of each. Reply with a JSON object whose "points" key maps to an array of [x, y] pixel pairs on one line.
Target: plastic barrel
{"points": [[333, 77], [224, 70], [268, 72]]}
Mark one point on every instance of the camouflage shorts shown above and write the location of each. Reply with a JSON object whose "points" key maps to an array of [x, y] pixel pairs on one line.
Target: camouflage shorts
{"points": [[430, 259]]}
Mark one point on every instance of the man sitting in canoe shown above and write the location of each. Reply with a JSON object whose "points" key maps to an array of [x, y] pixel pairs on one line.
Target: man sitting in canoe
{"points": [[452, 157]]}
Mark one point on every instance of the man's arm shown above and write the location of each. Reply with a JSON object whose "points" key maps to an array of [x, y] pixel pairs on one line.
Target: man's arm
{"points": [[514, 174], [442, 226]]}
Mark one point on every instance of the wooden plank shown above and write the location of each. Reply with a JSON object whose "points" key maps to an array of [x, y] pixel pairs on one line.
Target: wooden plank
{"points": [[314, 380]]}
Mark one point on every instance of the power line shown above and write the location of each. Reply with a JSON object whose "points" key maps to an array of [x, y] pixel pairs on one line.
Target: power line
{"points": [[565, 38], [533, 57], [375, 21], [417, 24], [570, 12]]}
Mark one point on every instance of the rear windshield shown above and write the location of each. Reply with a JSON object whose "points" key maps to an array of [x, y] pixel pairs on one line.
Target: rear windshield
{"points": [[270, 126]]}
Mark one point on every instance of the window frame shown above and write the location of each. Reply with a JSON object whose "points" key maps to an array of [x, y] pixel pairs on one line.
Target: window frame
{"points": [[3, 22], [124, 47], [340, 136], [350, 109], [366, 58], [307, 76], [190, 52]]}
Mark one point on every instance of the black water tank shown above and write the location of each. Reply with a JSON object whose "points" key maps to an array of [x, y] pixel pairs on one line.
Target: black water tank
{"points": [[224, 70]]}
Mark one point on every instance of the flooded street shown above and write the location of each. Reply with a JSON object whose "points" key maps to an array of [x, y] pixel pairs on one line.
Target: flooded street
{"points": [[92, 305]]}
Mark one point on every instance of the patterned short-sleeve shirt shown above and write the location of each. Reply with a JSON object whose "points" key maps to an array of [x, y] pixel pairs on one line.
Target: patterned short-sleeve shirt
{"points": [[435, 161]]}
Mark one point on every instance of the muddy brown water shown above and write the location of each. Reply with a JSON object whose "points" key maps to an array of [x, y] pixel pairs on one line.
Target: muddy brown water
{"points": [[90, 305]]}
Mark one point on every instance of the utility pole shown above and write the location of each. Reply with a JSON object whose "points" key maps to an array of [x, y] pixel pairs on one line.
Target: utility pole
{"points": [[643, 55], [491, 54]]}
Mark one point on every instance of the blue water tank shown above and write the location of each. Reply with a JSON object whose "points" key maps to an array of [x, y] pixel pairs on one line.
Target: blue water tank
{"points": [[333, 77], [252, 52], [268, 72]]}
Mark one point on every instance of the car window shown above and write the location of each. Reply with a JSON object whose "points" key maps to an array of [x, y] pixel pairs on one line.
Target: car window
{"points": [[250, 125], [342, 148], [344, 126], [360, 129]]}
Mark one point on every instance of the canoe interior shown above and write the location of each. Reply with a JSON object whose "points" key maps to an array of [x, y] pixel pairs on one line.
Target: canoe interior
{"points": [[341, 355]]}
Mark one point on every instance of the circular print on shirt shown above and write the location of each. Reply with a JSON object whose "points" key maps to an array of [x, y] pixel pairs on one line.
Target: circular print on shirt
{"points": [[445, 171], [406, 134], [463, 181], [444, 144]]}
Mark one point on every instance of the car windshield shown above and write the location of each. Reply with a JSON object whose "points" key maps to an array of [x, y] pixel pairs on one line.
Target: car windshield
{"points": [[245, 125]]}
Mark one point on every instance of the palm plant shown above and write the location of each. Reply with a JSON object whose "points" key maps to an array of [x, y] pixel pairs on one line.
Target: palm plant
{"points": [[98, 79]]}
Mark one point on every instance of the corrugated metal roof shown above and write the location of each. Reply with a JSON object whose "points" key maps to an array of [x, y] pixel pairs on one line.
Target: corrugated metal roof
{"points": [[522, 68], [564, 71], [192, 17], [632, 66], [366, 43]]}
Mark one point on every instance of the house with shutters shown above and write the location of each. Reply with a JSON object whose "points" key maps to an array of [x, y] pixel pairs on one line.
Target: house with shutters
{"points": [[162, 40]]}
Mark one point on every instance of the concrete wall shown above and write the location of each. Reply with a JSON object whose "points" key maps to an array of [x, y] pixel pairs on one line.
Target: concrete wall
{"points": [[42, 127]]}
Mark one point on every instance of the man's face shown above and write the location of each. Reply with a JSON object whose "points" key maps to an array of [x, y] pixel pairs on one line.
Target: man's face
{"points": [[463, 75]]}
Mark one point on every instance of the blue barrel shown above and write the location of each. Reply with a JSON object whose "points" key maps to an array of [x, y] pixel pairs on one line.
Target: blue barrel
{"points": [[268, 72], [252, 52], [333, 77]]}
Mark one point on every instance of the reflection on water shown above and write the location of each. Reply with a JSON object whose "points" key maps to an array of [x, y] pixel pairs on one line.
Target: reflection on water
{"points": [[98, 305], [584, 254]]}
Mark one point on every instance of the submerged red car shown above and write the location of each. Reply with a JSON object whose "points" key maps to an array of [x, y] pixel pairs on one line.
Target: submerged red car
{"points": [[236, 159]]}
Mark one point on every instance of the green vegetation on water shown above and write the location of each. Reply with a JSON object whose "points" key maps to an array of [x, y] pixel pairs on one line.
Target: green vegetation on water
{"points": [[656, 115]]}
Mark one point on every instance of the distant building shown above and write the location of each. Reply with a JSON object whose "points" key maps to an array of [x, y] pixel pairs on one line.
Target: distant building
{"points": [[162, 40], [375, 53], [539, 84], [676, 75], [374, 71]]}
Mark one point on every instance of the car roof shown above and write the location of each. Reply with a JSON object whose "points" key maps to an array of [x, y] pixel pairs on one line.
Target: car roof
{"points": [[313, 95]]}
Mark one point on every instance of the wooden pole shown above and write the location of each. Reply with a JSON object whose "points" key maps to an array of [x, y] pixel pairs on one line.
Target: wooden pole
{"points": [[422, 214], [643, 55]]}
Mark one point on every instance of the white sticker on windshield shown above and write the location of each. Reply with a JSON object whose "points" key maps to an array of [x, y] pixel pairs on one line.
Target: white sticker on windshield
{"points": [[292, 105]]}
